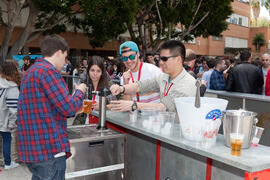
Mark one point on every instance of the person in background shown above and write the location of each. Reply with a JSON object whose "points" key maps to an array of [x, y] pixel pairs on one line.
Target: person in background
{"points": [[190, 59], [203, 68], [267, 84], [232, 62], [10, 79], [75, 73], [26, 63], [265, 64], [117, 71], [245, 77], [43, 106], [206, 75], [217, 80], [150, 57], [82, 70], [172, 83]]}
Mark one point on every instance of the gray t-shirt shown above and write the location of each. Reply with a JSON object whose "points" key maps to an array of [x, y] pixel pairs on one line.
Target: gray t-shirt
{"points": [[183, 86]]}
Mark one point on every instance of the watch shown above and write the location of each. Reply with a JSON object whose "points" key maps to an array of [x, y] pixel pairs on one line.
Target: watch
{"points": [[134, 106]]}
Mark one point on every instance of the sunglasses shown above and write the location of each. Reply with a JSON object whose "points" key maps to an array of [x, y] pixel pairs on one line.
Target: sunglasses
{"points": [[165, 58], [125, 58]]}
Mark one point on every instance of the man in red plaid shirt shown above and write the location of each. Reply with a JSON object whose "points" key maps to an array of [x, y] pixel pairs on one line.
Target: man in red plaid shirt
{"points": [[44, 104]]}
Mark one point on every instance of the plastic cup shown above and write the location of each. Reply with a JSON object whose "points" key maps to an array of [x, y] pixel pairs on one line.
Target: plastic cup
{"points": [[258, 131], [167, 122], [236, 143], [87, 106], [133, 115]]}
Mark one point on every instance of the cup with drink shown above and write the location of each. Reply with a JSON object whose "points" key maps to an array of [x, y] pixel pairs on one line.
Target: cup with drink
{"points": [[236, 143]]}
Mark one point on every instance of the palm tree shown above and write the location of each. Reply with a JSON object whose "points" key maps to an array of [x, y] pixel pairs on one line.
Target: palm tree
{"points": [[258, 41], [255, 4]]}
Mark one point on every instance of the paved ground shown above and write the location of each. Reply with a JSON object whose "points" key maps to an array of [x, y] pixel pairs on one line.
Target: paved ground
{"points": [[19, 173]]}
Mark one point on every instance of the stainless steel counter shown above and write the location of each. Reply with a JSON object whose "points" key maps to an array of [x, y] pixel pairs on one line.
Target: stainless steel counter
{"points": [[252, 160]]}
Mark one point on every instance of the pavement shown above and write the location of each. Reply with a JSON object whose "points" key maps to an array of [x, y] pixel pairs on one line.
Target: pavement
{"points": [[19, 173]]}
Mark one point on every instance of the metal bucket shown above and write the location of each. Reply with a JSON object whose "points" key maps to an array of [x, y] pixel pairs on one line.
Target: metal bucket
{"points": [[239, 121]]}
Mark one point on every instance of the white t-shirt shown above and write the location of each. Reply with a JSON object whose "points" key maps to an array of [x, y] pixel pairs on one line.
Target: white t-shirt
{"points": [[148, 71]]}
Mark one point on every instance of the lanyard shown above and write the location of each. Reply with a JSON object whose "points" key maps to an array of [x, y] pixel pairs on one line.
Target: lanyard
{"points": [[139, 77], [166, 93]]}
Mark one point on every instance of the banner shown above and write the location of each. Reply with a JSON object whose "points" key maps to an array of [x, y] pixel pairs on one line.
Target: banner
{"points": [[19, 59]]}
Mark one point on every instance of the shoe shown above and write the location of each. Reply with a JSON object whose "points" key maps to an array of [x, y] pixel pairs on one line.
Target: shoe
{"points": [[12, 165]]}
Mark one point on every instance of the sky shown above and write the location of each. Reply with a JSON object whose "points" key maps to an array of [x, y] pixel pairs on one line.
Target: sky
{"points": [[264, 13]]}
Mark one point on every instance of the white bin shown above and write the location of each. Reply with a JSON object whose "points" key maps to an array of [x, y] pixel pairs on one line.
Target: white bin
{"points": [[193, 120]]}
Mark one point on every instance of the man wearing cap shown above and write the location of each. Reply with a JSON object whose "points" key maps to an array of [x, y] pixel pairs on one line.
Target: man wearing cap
{"points": [[138, 70], [174, 82]]}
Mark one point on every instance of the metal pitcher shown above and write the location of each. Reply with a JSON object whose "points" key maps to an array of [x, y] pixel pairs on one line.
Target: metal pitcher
{"points": [[239, 121]]}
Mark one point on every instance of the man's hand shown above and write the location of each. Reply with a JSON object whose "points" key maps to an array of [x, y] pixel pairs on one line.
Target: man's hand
{"points": [[116, 89], [121, 105], [126, 77], [81, 87]]}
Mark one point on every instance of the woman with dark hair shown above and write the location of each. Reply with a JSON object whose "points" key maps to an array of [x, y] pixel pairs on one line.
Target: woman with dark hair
{"points": [[97, 78], [10, 79]]}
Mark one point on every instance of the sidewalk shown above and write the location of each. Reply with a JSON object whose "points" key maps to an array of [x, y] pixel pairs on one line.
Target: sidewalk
{"points": [[17, 173]]}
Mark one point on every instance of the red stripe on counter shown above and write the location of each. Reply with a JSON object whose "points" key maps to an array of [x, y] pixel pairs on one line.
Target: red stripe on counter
{"points": [[260, 175], [208, 168], [116, 127], [157, 160]]}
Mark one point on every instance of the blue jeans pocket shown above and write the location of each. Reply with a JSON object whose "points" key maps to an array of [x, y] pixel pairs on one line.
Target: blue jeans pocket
{"points": [[52, 169]]}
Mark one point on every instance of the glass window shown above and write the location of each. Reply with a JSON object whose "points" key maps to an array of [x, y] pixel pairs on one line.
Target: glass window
{"points": [[233, 42]]}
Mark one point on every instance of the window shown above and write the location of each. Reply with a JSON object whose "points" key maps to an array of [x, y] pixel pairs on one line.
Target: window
{"points": [[217, 38], [236, 42], [244, 1], [238, 19]]}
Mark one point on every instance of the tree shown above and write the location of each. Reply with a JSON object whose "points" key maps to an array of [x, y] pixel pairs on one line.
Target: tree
{"points": [[256, 9], [258, 41], [100, 20], [178, 19]]}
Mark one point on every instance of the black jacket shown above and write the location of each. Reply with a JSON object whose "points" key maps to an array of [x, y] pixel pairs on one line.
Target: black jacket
{"points": [[245, 78]]}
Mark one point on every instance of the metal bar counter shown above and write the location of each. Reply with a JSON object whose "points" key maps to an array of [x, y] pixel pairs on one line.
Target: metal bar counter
{"points": [[172, 157]]}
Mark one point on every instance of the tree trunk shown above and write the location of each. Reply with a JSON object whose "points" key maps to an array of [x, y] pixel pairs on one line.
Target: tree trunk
{"points": [[29, 28], [13, 9]]}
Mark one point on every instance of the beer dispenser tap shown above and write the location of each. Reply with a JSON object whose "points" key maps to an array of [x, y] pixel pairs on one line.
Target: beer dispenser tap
{"points": [[103, 94]]}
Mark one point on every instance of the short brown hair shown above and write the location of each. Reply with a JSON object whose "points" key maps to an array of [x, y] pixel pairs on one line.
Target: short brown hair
{"points": [[51, 44], [190, 55]]}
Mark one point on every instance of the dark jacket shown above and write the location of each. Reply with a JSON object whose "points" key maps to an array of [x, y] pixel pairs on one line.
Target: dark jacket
{"points": [[245, 78]]}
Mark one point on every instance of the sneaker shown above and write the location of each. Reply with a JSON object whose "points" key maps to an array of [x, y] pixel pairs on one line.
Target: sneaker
{"points": [[12, 165]]}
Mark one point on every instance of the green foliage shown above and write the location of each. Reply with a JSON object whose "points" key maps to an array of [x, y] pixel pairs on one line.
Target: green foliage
{"points": [[258, 41], [105, 19]]}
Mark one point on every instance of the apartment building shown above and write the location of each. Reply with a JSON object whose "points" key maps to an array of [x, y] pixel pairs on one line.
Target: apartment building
{"points": [[236, 36]]}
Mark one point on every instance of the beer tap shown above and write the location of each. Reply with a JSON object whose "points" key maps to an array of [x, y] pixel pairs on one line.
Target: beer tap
{"points": [[103, 94]]}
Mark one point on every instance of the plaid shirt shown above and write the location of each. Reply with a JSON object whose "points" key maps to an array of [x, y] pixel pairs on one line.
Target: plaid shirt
{"points": [[217, 81], [44, 103]]}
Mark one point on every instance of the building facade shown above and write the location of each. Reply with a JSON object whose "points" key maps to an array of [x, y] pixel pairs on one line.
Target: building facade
{"points": [[236, 36]]}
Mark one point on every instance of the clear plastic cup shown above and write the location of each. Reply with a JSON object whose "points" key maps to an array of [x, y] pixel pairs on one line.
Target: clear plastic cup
{"points": [[167, 122], [133, 116], [236, 143], [209, 132], [257, 134]]}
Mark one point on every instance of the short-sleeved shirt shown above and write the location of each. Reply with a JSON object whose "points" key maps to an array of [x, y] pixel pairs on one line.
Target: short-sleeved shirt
{"points": [[183, 86], [148, 71]]}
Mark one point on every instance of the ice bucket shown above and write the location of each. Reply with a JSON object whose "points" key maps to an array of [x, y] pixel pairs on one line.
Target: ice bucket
{"points": [[193, 120], [239, 121]]}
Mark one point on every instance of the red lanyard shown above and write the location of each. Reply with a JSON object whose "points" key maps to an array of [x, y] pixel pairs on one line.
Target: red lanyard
{"points": [[139, 77], [166, 93]]}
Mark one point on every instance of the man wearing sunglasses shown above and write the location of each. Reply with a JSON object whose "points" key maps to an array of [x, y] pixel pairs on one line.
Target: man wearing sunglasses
{"points": [[137, 71], [174, 82]]}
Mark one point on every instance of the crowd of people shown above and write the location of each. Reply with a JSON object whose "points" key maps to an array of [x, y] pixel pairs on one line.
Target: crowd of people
{"points": [[39, 99]]}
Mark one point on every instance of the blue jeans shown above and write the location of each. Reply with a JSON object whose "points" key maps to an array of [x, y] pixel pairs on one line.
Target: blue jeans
{"points": [[52, 169], [6, 136]]}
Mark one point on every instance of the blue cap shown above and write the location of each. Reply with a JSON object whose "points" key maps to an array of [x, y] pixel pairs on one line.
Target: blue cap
{"points": [[129, 44]]}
